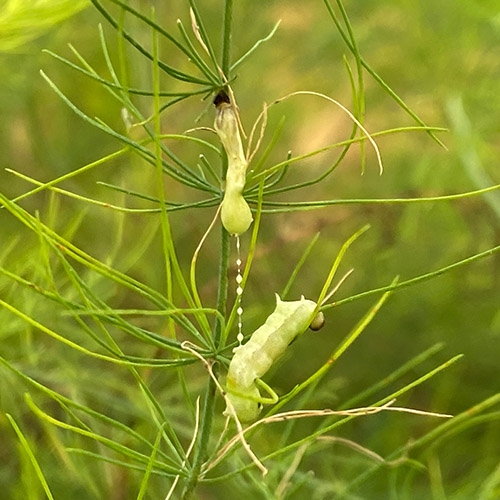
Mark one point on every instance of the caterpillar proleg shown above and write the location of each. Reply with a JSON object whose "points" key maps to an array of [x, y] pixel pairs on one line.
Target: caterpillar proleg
{"points": [[252, 360], [235, 212]]}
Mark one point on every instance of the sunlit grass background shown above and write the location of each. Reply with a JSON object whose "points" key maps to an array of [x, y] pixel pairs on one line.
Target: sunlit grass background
{"points": [[442, 58]]}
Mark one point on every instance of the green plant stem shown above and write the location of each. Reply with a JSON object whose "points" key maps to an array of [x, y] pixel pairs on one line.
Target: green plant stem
{"points": [[209, 401], [440, 433], [203, 439], [31, 456], [418, 279], [223, 282], [226, 40]]}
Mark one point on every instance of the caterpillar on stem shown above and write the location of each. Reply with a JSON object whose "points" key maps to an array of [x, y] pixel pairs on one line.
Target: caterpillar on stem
{"points": [[252, 360]]}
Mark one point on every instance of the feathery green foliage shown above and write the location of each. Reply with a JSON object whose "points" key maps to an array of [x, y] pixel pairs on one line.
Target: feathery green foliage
{"points": [[117, 292]]}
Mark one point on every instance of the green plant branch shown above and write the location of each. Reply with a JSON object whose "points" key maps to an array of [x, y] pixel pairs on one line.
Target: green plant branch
{"points": [[208, 409], [201, 33], [418, 279], [117, 86], [286, 206], [254, 48], [144, 152], [185, 174], [174, 73], [344, 345], [150, 466], [66, 403], [226, 37], [336, 263], [358, 92], [375, 76], [393, 376], [298, 266], [438, 433], [109, 443], [90, 262], [256, 171], [112, 317], [328, 428], [198, 60], [31, 456], [67, 176]]}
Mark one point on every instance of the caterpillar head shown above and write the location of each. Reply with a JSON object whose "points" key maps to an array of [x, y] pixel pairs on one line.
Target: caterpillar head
{"points": [[318, 322]]}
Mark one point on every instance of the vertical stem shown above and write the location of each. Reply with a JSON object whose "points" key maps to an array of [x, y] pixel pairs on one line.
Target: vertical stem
{"points": [[200, 451], [223, 281], [226, 34], [209, 400]]}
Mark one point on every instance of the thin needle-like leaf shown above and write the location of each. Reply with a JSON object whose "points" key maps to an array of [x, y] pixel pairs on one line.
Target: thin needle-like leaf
{"points": [[32, 458]]}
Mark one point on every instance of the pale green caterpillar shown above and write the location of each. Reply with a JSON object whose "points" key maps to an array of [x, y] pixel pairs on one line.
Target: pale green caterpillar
{"points": [[252, 360], [235, 212]]}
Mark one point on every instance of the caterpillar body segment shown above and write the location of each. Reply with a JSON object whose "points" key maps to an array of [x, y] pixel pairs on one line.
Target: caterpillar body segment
{"points": [[252, 360], [235, 213]]}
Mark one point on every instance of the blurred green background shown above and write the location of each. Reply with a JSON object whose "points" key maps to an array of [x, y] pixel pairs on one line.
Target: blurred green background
{"points": [[443, 59]]}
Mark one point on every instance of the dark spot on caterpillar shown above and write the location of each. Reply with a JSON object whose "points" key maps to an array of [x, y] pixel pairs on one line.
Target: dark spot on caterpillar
{"points": [[221, 97]]}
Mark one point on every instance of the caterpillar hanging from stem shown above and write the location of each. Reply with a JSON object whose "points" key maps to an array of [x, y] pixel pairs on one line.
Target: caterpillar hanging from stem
{"points": [[252, 360], [236, 215]]}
